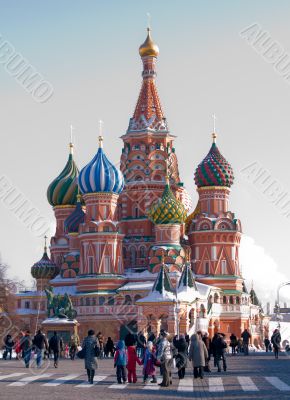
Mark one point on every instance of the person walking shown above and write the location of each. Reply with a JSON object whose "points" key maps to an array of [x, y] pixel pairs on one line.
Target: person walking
{"points": [[276, 340], [91, 347], [55, 346], [40, 344], [164, 356], [101, 340], [181, 356], [219, 349], [197, 355], [233, 343], [109, 347], [131, 364], [207, 342], [74, 343], [141, 344], [267, 344], [120, 361], [18, 348], [149, 362], [26, 347], [246, 336], [9, 344]]}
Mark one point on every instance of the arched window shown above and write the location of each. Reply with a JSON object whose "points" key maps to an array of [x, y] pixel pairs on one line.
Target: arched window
{"points": [[237, 300], [136, 211], [88, 301], [202, 311], [132, 256], [216, 298], [81, 301], [128, 300], [225, 299], [142, 252], [111, 301], [102, 300], [124, 252], [231, 300], [93, 301]]}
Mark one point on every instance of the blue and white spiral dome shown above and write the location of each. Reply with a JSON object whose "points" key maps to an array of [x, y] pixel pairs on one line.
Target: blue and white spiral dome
{"points": [[100, 175]]}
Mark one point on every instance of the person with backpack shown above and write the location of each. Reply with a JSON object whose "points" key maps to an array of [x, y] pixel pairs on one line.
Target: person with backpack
{"points": [[165, 357], [40, 344], [120, 361], [26, 347], [91, 350], [219, 346], [55, 346]]}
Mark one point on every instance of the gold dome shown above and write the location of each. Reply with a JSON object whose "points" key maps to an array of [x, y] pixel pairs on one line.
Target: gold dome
{"points": [[148, 48]]}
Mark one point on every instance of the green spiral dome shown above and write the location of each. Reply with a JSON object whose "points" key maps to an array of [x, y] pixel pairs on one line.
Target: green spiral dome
{"points": [[63, 189]]}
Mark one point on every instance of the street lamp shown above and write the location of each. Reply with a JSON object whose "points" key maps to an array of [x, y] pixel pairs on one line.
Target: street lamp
{"points": [[278, 316]]}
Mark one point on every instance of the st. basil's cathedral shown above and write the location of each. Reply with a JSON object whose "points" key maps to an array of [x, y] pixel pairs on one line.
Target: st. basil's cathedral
{"points": [[126, 249]]}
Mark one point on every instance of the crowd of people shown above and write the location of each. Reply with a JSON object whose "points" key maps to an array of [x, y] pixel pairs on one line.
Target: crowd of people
{"points": [[162, 352]]}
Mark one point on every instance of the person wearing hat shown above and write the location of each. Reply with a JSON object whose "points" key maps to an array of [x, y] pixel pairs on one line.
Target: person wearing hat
{"points": [[165, 357]]}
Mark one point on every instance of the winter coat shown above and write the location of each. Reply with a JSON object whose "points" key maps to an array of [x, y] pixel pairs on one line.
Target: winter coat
{"points": [[40, 341], [164, 350], [89, 344], [9, 344], [141, 341], [219, 346], [197, 352], [132, 358], [110, 345], [26, 343], [276, 340], [55, 343], [149, 361], [246, 336], [121, 357], [181, 356], [233, 341]]}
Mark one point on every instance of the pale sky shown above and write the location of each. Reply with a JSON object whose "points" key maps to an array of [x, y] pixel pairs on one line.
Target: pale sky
{"points": [[88, 52]]}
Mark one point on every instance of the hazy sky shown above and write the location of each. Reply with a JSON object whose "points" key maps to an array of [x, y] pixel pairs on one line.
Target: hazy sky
{"points": [[88, 51]]}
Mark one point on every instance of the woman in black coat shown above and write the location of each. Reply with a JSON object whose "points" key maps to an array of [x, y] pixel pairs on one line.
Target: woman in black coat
{"points": [[181, 357]]}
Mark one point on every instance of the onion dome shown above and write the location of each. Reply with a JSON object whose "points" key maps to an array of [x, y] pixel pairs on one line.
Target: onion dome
{"points": [[44, 268], [167, 210], [214, 170], [77, 217], [100, 175], [63, 189], [149, 48]]}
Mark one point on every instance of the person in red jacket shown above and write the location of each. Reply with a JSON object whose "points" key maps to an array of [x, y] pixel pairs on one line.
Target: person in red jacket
{"points": [[131, 364]]}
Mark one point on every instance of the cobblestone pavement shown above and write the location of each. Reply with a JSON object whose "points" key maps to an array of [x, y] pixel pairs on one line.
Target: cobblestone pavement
{"points": [[258, 376]]}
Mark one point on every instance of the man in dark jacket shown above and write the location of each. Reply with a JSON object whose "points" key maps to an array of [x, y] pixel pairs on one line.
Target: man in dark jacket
{"points": [[246, 336], [40, 344], [219, 348], [26, 347], [55, 346], [267, 344], [276, 340], [181, 356], [8, 347], [141, 344]]}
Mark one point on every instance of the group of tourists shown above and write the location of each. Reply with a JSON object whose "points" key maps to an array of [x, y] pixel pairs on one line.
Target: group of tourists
{"points": [[162, 352]]}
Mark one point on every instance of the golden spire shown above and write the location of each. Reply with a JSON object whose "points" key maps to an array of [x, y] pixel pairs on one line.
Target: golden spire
{"points": [[45, 244], [148, 48], [214, 135], [71, 145], [101, 138]]}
